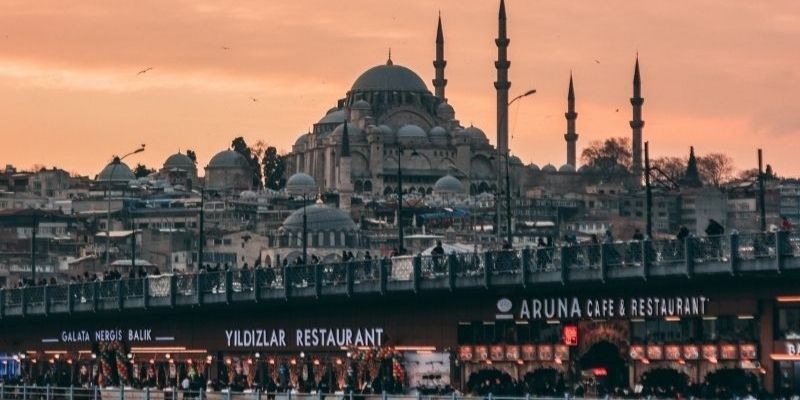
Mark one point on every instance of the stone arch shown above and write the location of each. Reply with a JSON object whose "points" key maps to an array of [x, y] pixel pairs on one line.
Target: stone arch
{"points": [[359, 164], [483, 187], [419, 161], [388, 190], [368, 186], [403, 115]]}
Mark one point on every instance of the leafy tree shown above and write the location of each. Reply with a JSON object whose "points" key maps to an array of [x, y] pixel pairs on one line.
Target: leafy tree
{"points": [[715, 168], [609, 156], [192, 156], [142, 171], [274, 169], [240, 146]]}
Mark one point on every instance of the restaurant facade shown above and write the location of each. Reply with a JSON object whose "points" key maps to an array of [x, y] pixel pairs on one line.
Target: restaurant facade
{"points": [[595, 336]]}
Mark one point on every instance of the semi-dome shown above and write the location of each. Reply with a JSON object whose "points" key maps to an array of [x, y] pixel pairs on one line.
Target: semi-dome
{"points": [[361, 104], [389, 77], [474, 133], [333, 117], [301, 183], [549, 168], [437, 131], [301, 140], [319, 217], [514, 160], [534, 167], [116, 171], [448, 184], [179, 161], [228, 159], [445, 110], [411, 131], [354, 133]]}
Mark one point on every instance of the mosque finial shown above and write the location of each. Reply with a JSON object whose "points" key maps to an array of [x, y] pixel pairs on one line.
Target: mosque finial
{"points": [[389, 61]]}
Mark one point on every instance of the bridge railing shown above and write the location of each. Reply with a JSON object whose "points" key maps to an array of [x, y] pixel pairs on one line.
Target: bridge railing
{"points": [[762, 251]]}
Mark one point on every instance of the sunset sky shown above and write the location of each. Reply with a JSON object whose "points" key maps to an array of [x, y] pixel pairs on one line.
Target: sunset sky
{"points": [[722, 75]]}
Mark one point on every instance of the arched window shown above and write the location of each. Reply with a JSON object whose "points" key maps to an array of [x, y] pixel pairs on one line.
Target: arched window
{"points": [[368, 186], [388, 190]]}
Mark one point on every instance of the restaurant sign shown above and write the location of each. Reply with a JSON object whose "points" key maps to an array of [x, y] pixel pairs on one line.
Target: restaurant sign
{"points": [[558, 308], [304, 337]]}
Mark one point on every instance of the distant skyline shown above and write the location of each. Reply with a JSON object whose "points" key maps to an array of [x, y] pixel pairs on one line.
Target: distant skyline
{"points": [[722, 75]]}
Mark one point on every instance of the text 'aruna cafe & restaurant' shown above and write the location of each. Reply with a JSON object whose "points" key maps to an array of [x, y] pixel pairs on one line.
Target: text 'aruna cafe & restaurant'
{"points": [[426, 330]]}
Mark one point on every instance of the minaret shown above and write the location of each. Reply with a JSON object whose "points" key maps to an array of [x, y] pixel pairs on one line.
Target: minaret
{"points": [[691, 178], [637, 123], [571, 136], [345, 165], [502, 84], [439, 63]]}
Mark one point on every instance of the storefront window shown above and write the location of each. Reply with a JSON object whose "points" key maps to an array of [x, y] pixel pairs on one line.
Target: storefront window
{"points": [[730, 328], [547, 333], [662, 331], [787, 378], [788, 323]]}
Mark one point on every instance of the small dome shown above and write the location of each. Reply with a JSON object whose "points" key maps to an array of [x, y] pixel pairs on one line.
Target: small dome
{"points": [[448, 184], [354, 133], [228, 159], [585, 169], [333, 117], [319, 217], [549, 168], [389, 77], [445, 110], [116, 171], [437, 131], [515, 160], [474, 134], [566, 168], [180, 161], [301, 140], [361, 104], [533, 167], [248, 194], [300, 183], [411, 131]]}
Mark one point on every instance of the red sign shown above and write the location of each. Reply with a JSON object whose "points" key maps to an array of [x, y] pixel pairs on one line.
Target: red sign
{"points": [[570, 335], [599, 371]]}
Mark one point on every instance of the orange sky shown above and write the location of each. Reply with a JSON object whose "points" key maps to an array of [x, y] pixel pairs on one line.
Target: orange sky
{"points": [[723, 75]]}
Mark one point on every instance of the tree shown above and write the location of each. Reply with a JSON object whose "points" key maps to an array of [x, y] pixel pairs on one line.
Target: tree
{"points": [[192, 156], [142, 171], [610, 156], [669, 168], [715, 168], [240, 146], [274, 169]]}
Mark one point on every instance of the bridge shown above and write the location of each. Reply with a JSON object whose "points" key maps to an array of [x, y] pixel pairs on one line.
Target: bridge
{"points": [[738, 255]]}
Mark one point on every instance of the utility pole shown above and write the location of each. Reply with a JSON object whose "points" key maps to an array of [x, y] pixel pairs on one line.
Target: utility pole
{"points": [[761, 202], [201, 237], [34, 228], [648, 211]]}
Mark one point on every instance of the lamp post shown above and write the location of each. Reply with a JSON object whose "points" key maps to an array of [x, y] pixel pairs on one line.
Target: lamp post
{"points": [[116, 161], [400, 151], [301, 184], [201, 240], [509, 234]]}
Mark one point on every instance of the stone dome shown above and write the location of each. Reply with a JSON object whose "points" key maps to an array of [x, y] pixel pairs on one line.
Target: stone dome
{"points": [[116, 171], [387, 134], [411, 131], [361, 104], [228, 159], [333, 117], [448, 184], [474, 134], [301, 140], [354, 133], [445, 110], [389, 77], [179, 161], [534, 167], [515, 160], [437, 131], [566, 168], [549, 168], [319, 218], [301, 183]]}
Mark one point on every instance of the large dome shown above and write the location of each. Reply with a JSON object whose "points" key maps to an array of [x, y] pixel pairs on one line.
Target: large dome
{"points": [[354, 133], [116, 171], [411, 131], [389, 77], [319, 218], [301, 183], [179, 161], [448, 184], [228, 159]]}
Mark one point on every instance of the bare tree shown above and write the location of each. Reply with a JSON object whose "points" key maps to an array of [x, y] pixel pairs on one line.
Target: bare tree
{"points": [[715, 168], [669, 168], [609, 156]]}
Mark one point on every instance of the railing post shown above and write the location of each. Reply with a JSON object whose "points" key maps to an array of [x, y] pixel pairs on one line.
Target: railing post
{"points": [[563, 250], [527, 260], [287, 282], [350, 275], [96, 393], [121, 392], [781, 244], [45, 299], [173, 290], [24, 392], [2, 305], [24, 301], [258, 278], [452, 264], [735, 261], [199, 285], [487, 269], [384, 266], [228, 286], [383, 395], [147, 393], [258, 395], [605, 256], [120, 293], [70, 298], [146, 292], [71, 392], [47, 391], [318, 280], [690, 248], [95, 295], [228, 395], [416, 264], [201, 393], [647, 247]]}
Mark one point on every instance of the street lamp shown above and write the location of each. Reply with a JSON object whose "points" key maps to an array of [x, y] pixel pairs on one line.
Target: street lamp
{"points": [[301, 184], [508, 178], [400, 150], [116, 161]]}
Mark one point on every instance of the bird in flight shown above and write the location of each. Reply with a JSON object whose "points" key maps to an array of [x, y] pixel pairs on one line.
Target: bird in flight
{"points": [[144, 70], [225, 48], [617, 110], [597, 61], [254, 99]]}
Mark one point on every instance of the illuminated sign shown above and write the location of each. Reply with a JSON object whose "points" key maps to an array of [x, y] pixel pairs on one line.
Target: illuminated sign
{"points": [[570, 335], [559, 308]]}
